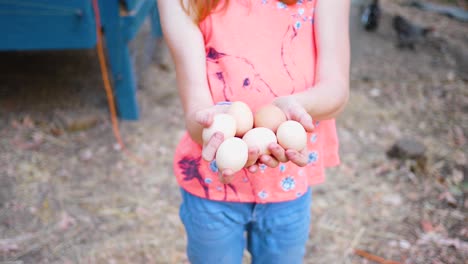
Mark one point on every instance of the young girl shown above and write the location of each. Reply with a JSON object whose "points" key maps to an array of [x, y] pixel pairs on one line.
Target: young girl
{"points": [[292, 54]]}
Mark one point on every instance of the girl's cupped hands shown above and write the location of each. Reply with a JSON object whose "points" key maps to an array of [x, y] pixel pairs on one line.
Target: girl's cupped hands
{"points": [[293, 111]]}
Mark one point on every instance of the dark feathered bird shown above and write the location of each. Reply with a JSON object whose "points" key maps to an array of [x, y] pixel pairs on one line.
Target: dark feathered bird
{"points": [[408, 33], [370, 16]]}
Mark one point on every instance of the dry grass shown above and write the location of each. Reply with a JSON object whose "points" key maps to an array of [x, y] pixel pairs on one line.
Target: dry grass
{"points": [[73, 197]]}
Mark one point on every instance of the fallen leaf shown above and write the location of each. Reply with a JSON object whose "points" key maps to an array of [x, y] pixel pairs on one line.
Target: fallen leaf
{"points": [[24, 144], [27, 122], [458, 136], [392, 199], [464, 232], [404, 244], [86, 154], [81, 123], [15, 124], [448, 197], [66, 221], [457, 176], [7, 246], [57, 132], [427, 226], [375, 92]]}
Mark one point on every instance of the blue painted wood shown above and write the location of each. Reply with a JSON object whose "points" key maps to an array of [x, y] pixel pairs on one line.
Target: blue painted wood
{"points": [[120, 62], [131, 4], [155, 22], [46, 24], [135, 17], [70, 24]]}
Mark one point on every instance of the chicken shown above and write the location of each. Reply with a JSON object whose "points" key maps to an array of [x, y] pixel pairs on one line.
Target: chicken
{"points": [[408, 33], [370, 16]]}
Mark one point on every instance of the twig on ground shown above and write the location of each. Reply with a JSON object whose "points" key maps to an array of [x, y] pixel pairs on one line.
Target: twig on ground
{"points": [[373, 257]]}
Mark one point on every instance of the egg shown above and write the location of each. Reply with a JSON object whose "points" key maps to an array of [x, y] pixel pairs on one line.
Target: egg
{"points": [[232, 154], [223, 123], [292, 135], [260, 137], [269, 116], [243, 116]]}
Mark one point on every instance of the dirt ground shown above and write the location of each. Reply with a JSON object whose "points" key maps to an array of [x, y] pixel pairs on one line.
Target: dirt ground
{"points": [[69, 194]]}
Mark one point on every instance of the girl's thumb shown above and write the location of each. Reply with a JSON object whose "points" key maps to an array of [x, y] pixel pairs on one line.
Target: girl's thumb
{"points": [[204, 118]]}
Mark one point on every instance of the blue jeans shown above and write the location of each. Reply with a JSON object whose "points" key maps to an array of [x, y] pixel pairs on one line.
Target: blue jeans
{"points": [[275, 232]]}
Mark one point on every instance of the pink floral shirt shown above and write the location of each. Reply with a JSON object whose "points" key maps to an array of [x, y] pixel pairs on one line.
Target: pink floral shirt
{"points": [[257, 50]]}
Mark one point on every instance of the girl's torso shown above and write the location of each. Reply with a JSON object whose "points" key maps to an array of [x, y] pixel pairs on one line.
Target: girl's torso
{"points": [[255, 51]]}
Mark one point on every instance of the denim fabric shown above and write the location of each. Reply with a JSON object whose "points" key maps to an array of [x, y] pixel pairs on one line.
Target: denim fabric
{"points": [[218, 232]]}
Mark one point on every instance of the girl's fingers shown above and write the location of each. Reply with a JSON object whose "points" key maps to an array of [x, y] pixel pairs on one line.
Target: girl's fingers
{"points": [[300, 115], [253, 157], [253, 168], [307, 122], [210, 148], [278, 152], [204, 117], [226, 176], [295, 111], [299, 158], [269, 161]]}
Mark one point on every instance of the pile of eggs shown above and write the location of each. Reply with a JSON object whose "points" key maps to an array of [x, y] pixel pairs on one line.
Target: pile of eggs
{"points": [[243, 130]]}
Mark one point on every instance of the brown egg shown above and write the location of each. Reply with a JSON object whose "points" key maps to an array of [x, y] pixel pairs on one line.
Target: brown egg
{"points": [[269, 116], [243, 116]]}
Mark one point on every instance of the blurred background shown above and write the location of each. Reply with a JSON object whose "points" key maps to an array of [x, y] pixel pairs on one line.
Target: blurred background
{"points": [[69, 192]]}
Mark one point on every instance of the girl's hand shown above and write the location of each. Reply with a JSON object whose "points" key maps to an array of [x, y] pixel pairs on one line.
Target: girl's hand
{"points": [[293, 111], [280, 155], [205, 118], [251, 165]]}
